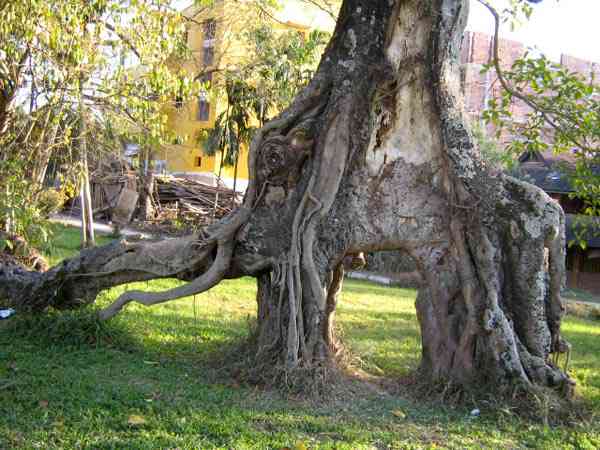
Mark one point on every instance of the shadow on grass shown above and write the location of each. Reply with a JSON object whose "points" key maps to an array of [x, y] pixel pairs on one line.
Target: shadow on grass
{"points": [[76, 381], [386, 343], [374, 290], [78, 329]]}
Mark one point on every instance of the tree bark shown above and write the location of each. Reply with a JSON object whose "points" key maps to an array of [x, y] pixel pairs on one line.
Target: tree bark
{"points": [[375, 155], [146, 192]]}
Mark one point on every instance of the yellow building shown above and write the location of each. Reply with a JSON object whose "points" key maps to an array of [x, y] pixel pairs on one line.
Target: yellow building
{"points": [[213, 39]]}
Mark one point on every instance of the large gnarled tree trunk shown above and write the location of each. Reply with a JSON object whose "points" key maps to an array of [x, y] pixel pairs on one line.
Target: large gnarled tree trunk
{"points": [[373, 155]]}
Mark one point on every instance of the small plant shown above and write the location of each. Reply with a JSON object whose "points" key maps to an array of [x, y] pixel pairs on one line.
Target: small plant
{"points": [[21, 211]]}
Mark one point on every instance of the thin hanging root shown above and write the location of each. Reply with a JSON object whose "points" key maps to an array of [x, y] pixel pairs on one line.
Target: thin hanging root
{"points": [[563, 347], [204, 282]]}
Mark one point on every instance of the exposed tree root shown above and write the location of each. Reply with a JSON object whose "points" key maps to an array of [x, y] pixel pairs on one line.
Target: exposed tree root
{"points": [[372, 155], [223, 233], [77, 281], [204, 282]]}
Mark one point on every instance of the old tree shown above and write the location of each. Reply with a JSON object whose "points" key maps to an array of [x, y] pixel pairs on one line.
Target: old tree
{"points": [[373, 155]]}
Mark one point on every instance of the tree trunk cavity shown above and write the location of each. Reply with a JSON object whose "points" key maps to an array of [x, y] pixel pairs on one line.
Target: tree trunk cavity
{"points": [[373, 155]]}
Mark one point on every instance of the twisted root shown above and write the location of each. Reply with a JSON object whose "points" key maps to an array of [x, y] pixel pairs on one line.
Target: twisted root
{"points": [[222, 234], [206, 281]]}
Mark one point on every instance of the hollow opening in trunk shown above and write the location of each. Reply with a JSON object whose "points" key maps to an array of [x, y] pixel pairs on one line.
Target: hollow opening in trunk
{"points": [[377, 317]]}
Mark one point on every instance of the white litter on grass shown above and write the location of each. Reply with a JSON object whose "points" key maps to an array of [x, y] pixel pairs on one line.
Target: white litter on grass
{"points": [[475, 413], [6, 313], [370, 277]]}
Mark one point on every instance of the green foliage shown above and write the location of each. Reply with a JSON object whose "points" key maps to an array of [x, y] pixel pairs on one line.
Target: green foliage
{"points": [[491, 151], [115, 53], [517, 12], [584, 228], [564, 104], [564, 118], [282, 64], [118, 50], [232, 127], [277, 66], [19, 212], [497, 157], [108, 61], [51, 201]]}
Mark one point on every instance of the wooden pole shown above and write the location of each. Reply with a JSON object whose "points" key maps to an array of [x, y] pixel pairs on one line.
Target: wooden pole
{"points": [[87, 217]]}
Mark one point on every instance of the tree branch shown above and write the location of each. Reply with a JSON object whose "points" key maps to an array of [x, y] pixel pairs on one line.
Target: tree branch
{"points": [[123, 38], [328, 9], [505, 85]]}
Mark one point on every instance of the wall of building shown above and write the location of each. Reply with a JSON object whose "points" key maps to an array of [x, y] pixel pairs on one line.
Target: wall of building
{"points": [[588, 281], [184, 119], [184, 158], [478, 88]]}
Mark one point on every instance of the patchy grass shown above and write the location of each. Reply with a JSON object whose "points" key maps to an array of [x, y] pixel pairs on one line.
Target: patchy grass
{"points": [[143, 381]]}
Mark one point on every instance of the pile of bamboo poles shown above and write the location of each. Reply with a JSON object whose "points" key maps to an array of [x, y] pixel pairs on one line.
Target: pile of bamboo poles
{"points": [[193, 199], [171, 198]]}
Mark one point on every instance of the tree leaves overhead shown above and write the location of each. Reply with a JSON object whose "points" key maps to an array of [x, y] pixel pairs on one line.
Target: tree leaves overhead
{"points": [[111, 58], [119, 49]]}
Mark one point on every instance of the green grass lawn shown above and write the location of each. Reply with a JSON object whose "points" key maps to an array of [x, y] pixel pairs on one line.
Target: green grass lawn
{"points": [[68, 382]]}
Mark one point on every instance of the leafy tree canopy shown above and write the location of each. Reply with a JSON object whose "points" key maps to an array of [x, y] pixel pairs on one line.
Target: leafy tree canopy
{"points": [[109, 60]]}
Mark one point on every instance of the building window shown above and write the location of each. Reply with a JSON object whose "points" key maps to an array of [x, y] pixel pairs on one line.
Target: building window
{"points": [[209, 28], [208, 56], [203, 107], [198, 161], [203, 103], [178, 102], [206, 78]]}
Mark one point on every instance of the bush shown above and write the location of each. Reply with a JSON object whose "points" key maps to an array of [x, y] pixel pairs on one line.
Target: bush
{"points": [[50, 201], [20, 210]]}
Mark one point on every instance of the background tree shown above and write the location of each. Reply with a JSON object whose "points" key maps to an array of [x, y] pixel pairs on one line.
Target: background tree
{"points": [[278, 64], [372, 155], [103, 58]]}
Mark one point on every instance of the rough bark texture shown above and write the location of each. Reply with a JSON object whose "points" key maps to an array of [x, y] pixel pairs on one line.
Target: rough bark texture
{"points": [[372, 155], [147, 188]]}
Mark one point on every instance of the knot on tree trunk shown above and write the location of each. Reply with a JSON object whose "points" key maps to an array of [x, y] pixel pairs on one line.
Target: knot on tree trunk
{"points": [[281, 158]]}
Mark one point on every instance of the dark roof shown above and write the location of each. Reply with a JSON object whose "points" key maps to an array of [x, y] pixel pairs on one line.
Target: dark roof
{"points": [[548, 157], [549, 171], [588, 228], [550, 179]]}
